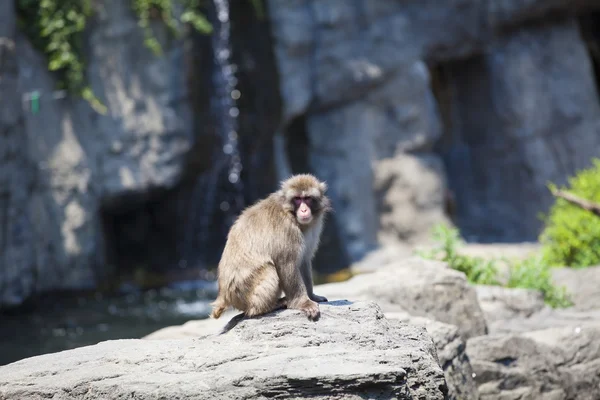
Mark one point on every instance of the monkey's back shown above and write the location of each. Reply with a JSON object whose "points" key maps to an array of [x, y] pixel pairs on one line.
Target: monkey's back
{"points": [[262, 237]]}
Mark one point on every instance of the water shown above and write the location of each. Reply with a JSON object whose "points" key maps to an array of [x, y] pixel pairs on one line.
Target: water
{"points": [[221, 188], [60, 322]]}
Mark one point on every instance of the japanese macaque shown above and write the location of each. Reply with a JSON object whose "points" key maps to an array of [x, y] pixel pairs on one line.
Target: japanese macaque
{"points": [[269, 250]]}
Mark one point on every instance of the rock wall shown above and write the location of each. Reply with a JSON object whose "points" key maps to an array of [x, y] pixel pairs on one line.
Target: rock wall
{"points": [[17, 255], [413, 108], [415, 112], [65, 162]]}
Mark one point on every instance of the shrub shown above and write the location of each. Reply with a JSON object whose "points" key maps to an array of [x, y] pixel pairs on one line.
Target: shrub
{"points": [[571, 236], [448, 242], [531, 273], [534, 273]]}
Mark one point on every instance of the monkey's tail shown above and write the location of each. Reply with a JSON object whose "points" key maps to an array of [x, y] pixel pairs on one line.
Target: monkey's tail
{"points": [[218, 307]]}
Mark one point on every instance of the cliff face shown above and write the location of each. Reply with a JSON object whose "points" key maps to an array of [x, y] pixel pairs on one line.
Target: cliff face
{"points": [[412, 106], [408, 109], [62, 163]]}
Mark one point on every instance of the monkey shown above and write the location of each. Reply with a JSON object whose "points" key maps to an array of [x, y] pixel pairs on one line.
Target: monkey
{"points": [[269, 250]]}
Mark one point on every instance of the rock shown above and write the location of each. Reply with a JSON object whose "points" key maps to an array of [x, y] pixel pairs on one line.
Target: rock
{"points": [[380, 257], [418, 287], [351, 352], [395, 118], [544, 319], [451, 350], [448, 342], [73, 161], [514, 367], [543, 364], [359, 50], [499, 303], [17, 174], [582, 285], [538, 111], [411, 193]]}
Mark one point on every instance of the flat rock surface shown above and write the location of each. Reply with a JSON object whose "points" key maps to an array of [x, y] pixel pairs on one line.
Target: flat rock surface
{"points": [[352, 352], [419, 287]]}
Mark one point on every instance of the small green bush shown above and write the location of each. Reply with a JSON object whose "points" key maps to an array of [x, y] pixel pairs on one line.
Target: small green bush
{"points": [[448, 242], [534, 273], [531, 273], [571, 236]]}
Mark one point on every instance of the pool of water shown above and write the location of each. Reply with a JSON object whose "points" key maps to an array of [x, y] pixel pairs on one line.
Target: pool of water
{"points": [[54, 323]]}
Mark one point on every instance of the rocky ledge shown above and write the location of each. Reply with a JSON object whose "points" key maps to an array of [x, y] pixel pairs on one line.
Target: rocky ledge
{"points": [[352, 352]]}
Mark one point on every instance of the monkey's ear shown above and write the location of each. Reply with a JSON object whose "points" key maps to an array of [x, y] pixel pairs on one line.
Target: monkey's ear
{"points": [[323, 187]]}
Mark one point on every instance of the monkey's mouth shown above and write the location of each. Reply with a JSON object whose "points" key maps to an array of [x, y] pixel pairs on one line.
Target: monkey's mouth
{"points": [[305, 220]]}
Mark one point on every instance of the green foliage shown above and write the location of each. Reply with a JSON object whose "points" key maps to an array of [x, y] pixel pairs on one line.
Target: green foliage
{"points": [[534, 273], [56, 28], [531, 273], [163, 10], [571, 236], [448, 242]]}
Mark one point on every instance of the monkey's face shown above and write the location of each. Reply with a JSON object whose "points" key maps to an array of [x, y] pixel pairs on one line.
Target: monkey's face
{"points": [[303, 208]]}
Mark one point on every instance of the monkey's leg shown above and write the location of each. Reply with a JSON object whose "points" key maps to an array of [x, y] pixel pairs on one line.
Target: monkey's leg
{"points": [[264, 292], [295, 291], [306, 271]]}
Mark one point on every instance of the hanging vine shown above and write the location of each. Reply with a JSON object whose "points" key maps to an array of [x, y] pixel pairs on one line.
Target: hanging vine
{"points": [[56, 27]]}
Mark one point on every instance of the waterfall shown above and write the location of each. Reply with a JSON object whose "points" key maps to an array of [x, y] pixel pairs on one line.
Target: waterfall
{"points": [[221, 188]]}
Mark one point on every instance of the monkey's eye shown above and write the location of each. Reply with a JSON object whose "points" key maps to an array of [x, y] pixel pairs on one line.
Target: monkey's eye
{"points": [[297, 201], [308, 201]]}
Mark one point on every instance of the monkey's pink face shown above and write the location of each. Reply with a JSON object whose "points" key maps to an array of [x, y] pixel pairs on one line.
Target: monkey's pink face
{"points": [[303, 207]]}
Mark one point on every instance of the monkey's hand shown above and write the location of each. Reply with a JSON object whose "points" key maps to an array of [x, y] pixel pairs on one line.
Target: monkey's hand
{"points": [[308, 307], [317, 298]]}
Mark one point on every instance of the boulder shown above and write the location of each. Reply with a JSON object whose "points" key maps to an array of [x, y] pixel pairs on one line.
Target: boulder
{"points": [[447, 339], [582, 285], [513, 367], [557, 363], [352, 352], [500, 303], [544, 319], [451, 350], [419, 287]]}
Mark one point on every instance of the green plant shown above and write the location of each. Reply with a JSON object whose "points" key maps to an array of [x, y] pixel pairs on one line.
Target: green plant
{"points": [[534, 273], [448, 242], [56, 28], [571, 235], [146, 10], [531, 273]]}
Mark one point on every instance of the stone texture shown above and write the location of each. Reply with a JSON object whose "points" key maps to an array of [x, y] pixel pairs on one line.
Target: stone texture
{"points": [[582, 285], [522, 115], [367, 152], [17, 251], [82, 160], [449, 344], [499, 303], [352, 352], [411, 193], [418, 287], [543, 364], [509, 60], [451, 350]]}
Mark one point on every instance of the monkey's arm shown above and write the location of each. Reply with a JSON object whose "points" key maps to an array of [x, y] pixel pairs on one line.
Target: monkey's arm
{"points": [[306, 271], [294, 288]]}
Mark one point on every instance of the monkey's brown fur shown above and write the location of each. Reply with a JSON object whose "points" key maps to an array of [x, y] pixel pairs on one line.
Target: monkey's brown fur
{"points": [[270, 250]]}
